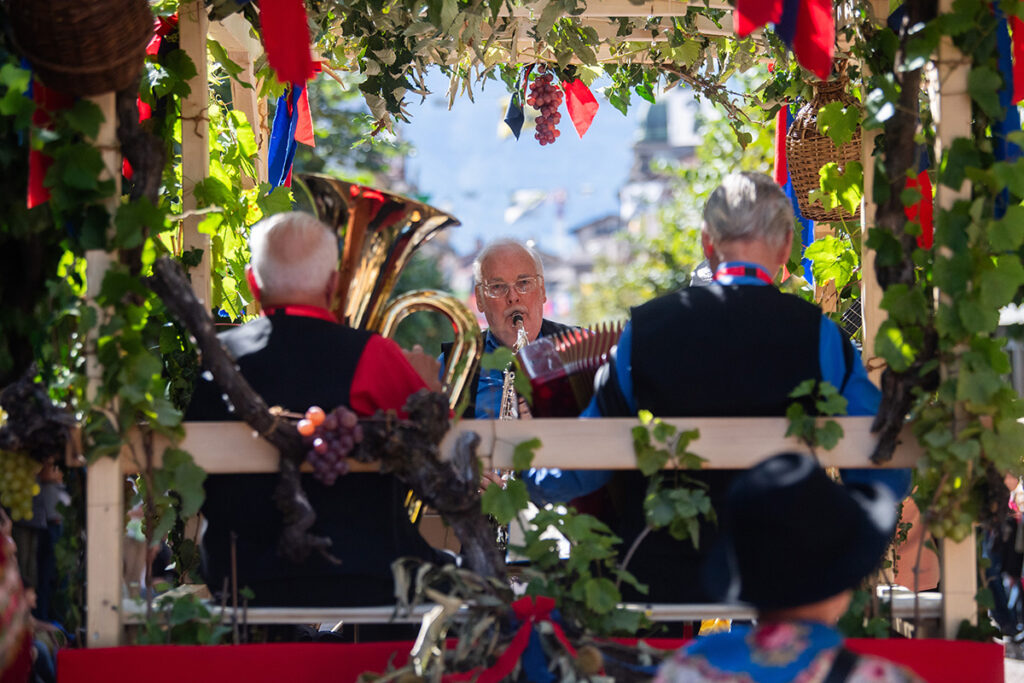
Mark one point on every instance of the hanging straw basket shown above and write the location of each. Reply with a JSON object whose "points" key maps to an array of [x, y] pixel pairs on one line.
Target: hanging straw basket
{"points": [[807, 150], [82, 47]]}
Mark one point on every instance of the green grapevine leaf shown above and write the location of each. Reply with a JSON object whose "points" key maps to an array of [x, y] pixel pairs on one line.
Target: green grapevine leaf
{"points": [[983, 83], [838, 122], [523, 453], [601, 595]]}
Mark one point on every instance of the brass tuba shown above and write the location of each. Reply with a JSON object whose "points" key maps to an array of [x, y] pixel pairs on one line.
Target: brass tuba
{"points": [[381, 230]]}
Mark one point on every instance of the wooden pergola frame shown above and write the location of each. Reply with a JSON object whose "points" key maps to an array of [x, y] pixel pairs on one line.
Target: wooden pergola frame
{"points": [[726, 442]]}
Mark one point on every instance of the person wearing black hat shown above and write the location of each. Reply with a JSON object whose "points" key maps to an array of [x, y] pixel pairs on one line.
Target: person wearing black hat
{"points": [[798, 570]]}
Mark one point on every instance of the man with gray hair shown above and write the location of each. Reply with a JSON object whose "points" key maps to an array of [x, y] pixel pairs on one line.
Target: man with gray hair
{"points": [[737, 347], [508, 279], [298, 355]]}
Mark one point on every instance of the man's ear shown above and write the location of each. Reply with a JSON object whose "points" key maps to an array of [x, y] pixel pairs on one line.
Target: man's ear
{"points": [[786, 249], [478, 296], [250, 277], [705, 242], [332, 286]]}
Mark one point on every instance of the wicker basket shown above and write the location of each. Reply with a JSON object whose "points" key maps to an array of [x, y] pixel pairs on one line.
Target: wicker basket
{"points": [[82, 47], [807, 150]]}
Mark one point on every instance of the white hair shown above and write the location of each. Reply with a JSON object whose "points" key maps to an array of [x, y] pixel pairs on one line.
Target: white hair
{"points": [[496, 245], [292, 254], [748, 206]]}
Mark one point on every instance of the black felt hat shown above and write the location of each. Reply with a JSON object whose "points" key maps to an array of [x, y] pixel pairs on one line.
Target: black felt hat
{"points": [[791, 536]]}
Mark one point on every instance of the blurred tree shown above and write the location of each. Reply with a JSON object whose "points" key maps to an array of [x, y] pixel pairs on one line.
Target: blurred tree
{"points": [[342, 126], [664, 246]]}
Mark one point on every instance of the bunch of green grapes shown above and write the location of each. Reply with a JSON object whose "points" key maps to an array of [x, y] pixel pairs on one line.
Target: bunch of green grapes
{"points": [[18, 483]]}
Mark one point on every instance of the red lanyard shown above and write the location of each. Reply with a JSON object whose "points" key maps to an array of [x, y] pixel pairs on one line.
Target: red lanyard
{"points": [[744, 271], [306, 311]]}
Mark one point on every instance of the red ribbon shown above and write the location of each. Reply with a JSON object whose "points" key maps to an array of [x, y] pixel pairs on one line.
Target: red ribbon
{"points": [[530, 611], [286, 39], [47, 101], [304, 123], [581, 103], [921, 212], [1017, 29], [781, 174], [751, 15]]}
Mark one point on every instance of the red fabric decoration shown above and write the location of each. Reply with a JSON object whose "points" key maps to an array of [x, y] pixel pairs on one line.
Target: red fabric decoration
{"points": [[815, 37], [529, 611], [751, 15], [936, 661], [47, 101], [581, 104], [781, 173], [921, 212], [286, 39], [304, 123], [1017, 31]]}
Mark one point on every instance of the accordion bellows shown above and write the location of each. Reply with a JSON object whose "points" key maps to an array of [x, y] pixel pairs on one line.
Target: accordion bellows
{"points": [[561, 368]]}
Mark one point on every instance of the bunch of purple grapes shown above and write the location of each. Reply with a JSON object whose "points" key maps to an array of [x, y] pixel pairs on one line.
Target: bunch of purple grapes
{"points": [[330, 437], [546, 97]]}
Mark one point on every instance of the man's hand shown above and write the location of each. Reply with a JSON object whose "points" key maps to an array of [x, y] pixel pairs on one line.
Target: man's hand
{"points": [[427, 367]]}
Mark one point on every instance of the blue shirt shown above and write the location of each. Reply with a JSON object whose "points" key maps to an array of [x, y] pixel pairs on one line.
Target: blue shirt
{"points": [[489, 386], [862, 396]]}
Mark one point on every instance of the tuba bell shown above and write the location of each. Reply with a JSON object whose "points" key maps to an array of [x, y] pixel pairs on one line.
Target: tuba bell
{"points": [[380, 232]]}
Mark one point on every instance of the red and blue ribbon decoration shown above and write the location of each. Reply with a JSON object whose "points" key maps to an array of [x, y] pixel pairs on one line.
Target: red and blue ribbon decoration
{"points": [[806, 26], [783, 120], [525, 646], [281, 151]]}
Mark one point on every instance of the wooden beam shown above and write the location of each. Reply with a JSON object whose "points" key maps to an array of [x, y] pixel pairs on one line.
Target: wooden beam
{"points": [[951, 111], [571, 443], [195, 139], [104, 487], [625, 8]]}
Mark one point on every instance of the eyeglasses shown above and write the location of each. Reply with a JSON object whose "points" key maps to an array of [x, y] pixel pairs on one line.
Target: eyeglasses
{"points": [[524, 285]]}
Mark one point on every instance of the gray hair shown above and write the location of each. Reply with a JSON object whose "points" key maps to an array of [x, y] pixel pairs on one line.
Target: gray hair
{"points": [[292, 253], [748, 206], [496, 245]]}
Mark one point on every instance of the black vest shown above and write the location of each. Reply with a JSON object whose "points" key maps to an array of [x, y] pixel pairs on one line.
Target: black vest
{"points": [[707, 352], [296, 362], [546, 327]]}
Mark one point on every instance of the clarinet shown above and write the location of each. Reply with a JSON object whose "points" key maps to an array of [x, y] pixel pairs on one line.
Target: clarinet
{"points": [[509, 399]]}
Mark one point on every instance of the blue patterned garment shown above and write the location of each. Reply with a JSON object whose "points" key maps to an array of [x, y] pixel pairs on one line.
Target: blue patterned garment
{"points": [[773, 652]]}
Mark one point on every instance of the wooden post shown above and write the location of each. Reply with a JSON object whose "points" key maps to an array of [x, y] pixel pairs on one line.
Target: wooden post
{"points": [[951, 110], [195, 139], [104, 516], [233, 34], [872, 314]]}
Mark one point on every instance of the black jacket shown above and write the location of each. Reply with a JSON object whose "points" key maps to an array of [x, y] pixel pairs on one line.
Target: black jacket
{"points": [[296, 362]]}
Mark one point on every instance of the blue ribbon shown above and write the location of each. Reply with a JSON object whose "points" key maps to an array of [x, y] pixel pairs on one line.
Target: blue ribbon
{"points": [[282, 136], [786, 28], [1004, 149]]}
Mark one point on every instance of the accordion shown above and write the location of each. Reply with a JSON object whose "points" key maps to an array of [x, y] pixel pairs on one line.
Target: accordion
{"points": [[561, 368]]}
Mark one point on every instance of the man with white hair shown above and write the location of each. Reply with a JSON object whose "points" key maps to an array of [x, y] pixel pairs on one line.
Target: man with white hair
{"points": [[737, 347], [508, 280], [297, 355]]}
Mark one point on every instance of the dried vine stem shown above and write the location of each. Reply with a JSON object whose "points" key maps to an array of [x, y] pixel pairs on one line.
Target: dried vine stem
{"points": [[296, 543]]}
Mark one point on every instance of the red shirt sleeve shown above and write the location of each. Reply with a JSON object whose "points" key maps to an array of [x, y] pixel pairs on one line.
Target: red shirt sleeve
{"points": [[383, 379]]}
